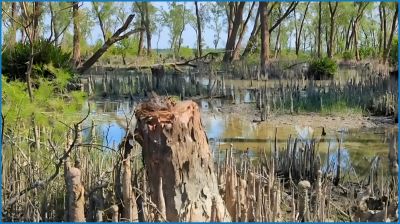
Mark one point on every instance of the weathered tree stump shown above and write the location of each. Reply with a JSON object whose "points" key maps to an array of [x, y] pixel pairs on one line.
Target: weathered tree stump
{"points": [[178, 161], [76, 195]]}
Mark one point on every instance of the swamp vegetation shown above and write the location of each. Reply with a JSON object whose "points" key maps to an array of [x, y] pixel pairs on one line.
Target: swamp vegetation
{"points": [[246, 127]]}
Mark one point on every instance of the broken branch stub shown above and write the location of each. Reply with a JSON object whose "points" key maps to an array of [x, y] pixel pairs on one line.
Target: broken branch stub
{"points": [[176, 151]]}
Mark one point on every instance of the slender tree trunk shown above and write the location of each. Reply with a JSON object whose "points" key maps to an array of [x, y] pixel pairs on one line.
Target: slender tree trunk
{"points": [[349, 35], [355, 38], [380, 38], [389, 43], [231, 41], [332, 28], [298, 35], [253, 36], [13, 29], [147, 27], [199, 50], [319, 30], [277, 42], [76, 55], [264, 21], [235, 54], [141, 34], [384, 26]]}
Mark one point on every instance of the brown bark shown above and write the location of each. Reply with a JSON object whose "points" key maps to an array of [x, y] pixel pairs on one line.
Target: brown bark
{"points": [[349, 35], [101, 24], [13, 29], [298, 34], [319, 30], [389, 43], [147, 27], [199, 50], [130, 213], [231, 41], [176, 152], [76, 195], [264, 21], [142, 24], [113, 39], [253, 36], [235, 54], [360, 12], [332, 11], [76, 55]]}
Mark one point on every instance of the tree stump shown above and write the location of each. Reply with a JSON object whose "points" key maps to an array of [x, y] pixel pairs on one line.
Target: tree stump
{"points": [[76, 198], [178, 161]]}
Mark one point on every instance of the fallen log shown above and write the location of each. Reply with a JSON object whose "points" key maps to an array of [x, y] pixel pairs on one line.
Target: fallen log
{"points": [[178, 161]]}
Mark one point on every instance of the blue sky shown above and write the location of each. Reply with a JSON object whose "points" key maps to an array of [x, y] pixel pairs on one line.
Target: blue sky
{"points": [[189, 34]]}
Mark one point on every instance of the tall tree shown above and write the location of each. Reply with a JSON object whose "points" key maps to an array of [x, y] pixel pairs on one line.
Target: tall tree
{"points": [[217, 11], [175, 19], [300, 29], [253, 38], [233, 29], [392, 31], [264, 56], [319, 29], [332, 12], [360, 11], [141, 11], [76, 53], [147, 10], [104, 12], [198, 20]]}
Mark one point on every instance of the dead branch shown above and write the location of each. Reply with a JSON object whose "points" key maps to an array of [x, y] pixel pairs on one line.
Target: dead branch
{"points": [[109, 42]]}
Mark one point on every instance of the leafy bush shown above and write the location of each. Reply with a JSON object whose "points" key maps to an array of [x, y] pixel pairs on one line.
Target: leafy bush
{"points": [[15, 61], [347, 55], [186, 52], [393, 57], [367, 52], [322, 68]]}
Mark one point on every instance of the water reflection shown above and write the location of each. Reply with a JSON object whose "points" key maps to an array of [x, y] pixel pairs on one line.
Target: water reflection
{"points": [[115, 97], [358, 146]]}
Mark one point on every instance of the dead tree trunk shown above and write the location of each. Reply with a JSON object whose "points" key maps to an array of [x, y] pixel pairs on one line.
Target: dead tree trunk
{"points": [[130, 212], [117, 36], [76, 195], [176, 153]]}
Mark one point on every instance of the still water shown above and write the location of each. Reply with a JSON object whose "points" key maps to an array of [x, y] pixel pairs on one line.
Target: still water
{"points": [[111, 111]]}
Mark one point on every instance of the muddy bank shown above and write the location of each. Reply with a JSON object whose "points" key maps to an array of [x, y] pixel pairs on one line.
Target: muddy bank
{"points": [[329, 122]]}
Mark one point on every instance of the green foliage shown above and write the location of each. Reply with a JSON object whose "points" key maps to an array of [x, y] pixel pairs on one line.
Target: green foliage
{"points": [[48, 103], [347, 55], [341, 108], [393, 57], [367, 52], [14, 61], [186, 52], [324, 67]]}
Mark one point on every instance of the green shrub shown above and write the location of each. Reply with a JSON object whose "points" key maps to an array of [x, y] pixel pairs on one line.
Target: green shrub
{"points": [[322, 68], [393, 57], [15, 61], [367, 52], [347, 55], [186, 52]]}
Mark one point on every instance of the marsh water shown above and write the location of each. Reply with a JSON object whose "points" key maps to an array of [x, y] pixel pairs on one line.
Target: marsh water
{"points": [[114, 97]]}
